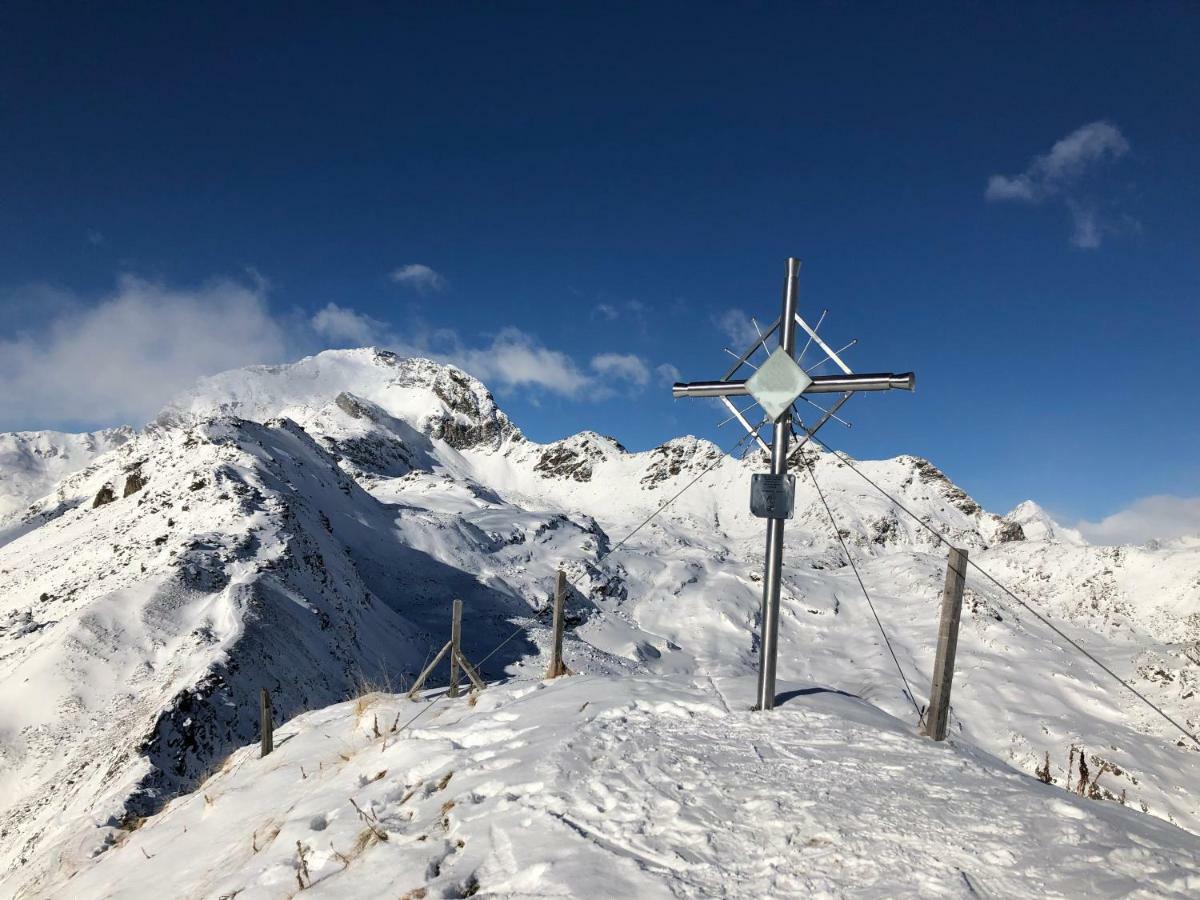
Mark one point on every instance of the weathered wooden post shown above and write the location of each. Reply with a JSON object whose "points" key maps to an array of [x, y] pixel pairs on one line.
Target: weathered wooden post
{"points": [[267, 726], [455, 647], [937, 717], [556, 655]]}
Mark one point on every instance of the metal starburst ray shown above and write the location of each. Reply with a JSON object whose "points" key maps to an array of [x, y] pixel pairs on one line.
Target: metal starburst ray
{"points": [[760, 345]]}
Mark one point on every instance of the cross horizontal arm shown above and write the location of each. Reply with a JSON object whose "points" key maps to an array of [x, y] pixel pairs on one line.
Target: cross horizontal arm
{"points": [[821, 384]]}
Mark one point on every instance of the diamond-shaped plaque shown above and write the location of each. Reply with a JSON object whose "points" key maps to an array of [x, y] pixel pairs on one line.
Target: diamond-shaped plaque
{"points": [[777, 383]]}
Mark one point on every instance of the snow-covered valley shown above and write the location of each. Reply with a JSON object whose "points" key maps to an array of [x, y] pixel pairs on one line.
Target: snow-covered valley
{"points": [[304, 528]]}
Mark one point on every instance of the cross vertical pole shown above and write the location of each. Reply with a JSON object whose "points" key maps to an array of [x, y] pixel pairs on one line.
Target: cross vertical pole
{"points": [[773, 565], [455, 649], [938, 716], [556, 658]]}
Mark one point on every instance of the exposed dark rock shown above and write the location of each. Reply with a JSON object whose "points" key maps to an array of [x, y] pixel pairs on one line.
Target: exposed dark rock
{"points": [[104, 496], [477, 421], [885, 530], [1009, 532], [930, 473], [801, 457], [352, 406], [615, 443], [674, 456], [563, 462], [134, 482]]}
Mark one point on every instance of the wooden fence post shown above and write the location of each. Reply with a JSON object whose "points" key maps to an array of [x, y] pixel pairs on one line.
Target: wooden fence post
{"points": [[266, 724], [455, 647], [556, 655], [457, 660], [420, 682], [937, 717]]}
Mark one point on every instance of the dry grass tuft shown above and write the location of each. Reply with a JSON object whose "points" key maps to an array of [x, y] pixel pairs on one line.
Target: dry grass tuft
{"points": [[365, 839]]}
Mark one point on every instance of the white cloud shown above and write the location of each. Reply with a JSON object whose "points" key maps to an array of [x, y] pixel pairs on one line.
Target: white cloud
{"points": [[1068, 161], [515, 359], [1060, 174], [607, 311], [623, 366], [668, 373], [420, 277], [1160, 517], [122, 358], [738, 328], [340, 325]]}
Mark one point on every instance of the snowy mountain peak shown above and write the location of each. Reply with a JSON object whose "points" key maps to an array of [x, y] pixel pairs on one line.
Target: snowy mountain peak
{"points": [[575, 457], [438, 400], [680, 455], [1039, 526]]}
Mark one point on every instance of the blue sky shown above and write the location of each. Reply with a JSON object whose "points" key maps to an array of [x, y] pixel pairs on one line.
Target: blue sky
{"points": [[587, 193]]}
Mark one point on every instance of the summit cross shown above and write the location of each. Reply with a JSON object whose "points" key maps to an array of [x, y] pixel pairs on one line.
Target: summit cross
{"points": [[775, 386]]}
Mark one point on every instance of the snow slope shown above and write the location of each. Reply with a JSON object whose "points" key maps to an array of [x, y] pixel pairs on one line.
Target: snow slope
{"points": [[32, 462], [305, 527], [1037, 525], [634, 787]]}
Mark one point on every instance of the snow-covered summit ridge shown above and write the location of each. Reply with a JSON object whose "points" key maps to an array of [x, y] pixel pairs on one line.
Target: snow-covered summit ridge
{"points": [[439, 400], [1039, 526], [633, 787]]}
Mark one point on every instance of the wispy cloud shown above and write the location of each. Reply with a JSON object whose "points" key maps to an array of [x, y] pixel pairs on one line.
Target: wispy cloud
{"points": [[1063, 174], [345, 327], [622, 367], [120, 359], [667, 373], [1160, 517], [514, 359], [508, 360], [738, 327], [420, 277]]}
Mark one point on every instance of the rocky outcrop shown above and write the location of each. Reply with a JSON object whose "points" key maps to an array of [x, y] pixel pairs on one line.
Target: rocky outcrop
{"points": [[928, 473], [1009, 532], [576, 457], [472, 418], [677, 456], [134, 482]]}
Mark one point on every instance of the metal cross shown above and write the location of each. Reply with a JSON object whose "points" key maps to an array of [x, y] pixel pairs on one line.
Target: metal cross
{"points": [[776, 385]]}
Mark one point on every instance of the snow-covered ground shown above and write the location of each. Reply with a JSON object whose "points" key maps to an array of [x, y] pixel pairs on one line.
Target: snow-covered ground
{"points": [[32, 462], [632, 787], [305, 527]]}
